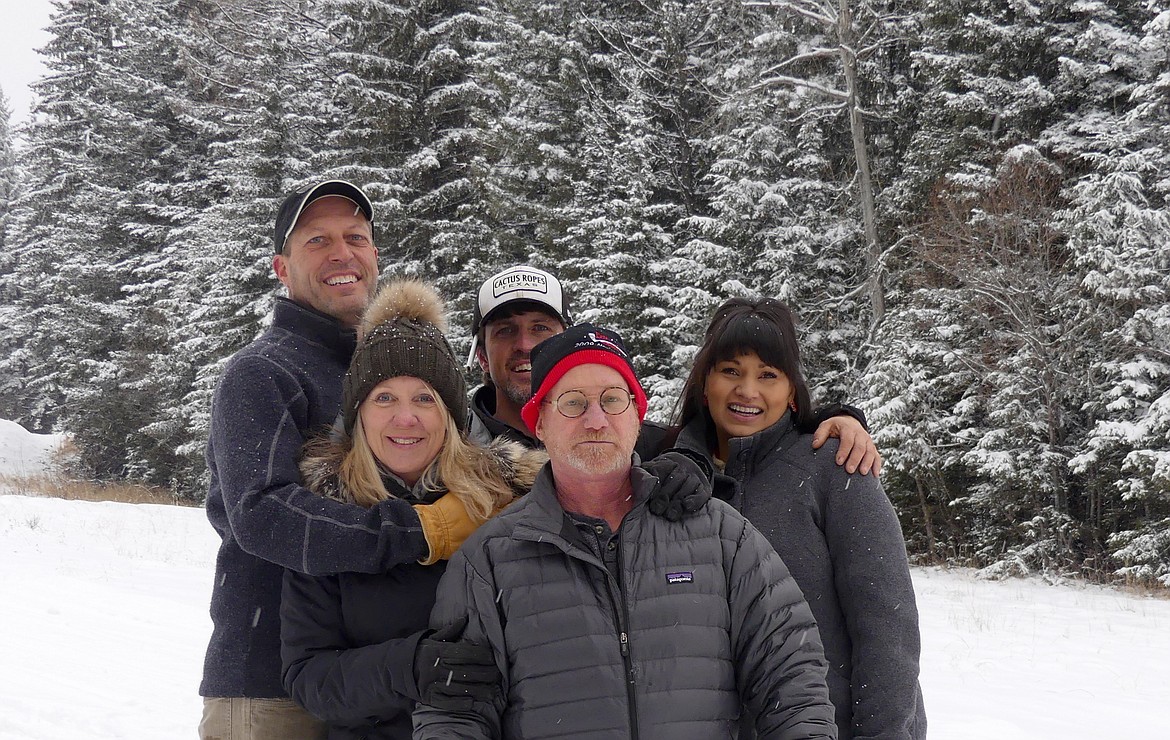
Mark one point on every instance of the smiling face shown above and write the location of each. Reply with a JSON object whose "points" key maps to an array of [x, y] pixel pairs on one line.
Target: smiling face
{"points": [[506, 353], [595, 442], [404, 425], [330, 262], [745, 396]]}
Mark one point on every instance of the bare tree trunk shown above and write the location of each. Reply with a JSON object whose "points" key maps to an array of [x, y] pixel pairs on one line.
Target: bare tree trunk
{"points": [[1053, 417], [925, 516], [847, 39]]}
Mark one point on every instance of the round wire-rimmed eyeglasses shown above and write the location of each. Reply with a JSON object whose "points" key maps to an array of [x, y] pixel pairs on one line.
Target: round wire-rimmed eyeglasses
{"points": [[613, 401]]}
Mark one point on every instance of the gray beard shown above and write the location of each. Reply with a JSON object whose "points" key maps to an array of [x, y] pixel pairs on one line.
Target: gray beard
{"points": [[595, 462], [517, 395]]}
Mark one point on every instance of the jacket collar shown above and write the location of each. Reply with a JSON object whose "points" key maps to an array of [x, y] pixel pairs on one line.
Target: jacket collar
{"points": [[483, 407], [543, 518], [315, 326], [744, 453], [398, 488]]}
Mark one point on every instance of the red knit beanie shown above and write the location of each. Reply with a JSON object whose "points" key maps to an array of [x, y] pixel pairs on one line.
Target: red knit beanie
{"points": [[583, 344]]}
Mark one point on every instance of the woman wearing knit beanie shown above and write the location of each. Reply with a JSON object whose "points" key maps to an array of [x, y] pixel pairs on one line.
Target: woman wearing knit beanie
{"points": [[351, 642]]}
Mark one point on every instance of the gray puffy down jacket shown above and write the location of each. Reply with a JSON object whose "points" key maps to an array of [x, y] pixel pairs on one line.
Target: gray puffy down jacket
{"points": [[704, 625]]}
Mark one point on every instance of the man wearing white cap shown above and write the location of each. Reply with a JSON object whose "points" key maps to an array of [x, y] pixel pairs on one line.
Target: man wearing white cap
{"points": [[520, 307], [275, 394], [515, 310]]}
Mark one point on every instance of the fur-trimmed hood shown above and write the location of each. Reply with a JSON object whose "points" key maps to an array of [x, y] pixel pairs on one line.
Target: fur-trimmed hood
{"points": [[321, 464]]}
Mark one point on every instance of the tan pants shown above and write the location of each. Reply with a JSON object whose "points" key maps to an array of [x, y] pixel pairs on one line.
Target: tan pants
{"points": [[240, 718]]}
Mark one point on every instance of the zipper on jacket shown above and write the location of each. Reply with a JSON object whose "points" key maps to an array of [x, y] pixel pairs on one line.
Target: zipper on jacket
{"points": [[624, 637], [617, 599]]}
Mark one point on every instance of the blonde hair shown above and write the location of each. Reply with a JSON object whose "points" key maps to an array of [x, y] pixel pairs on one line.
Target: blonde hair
{"points": [[470, 472]]}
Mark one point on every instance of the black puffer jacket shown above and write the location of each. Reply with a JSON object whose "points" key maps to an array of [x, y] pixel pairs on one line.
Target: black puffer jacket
{"points": [[703, 621], [348, 641]]}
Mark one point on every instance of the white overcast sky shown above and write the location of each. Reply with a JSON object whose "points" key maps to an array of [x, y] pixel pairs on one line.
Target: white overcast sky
{"points": [[20, 33]]}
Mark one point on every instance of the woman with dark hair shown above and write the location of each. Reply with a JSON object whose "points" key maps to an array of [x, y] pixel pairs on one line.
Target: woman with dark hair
{"points": [[742, 407]]}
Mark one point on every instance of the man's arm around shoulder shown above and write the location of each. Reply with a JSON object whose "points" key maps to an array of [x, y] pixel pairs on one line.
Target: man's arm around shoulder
{"points": [[257, 421]]}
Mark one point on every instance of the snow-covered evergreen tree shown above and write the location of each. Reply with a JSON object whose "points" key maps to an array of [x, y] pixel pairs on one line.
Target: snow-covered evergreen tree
{"points": [[8, 174], [410, 112], [783, 180], [172, 192], [647, 96], [926, 389], [965, 202], [1118, 228], [60, 235], [1009, 172], [532, 59], [10, 343], [261, 100], [113, 166]]}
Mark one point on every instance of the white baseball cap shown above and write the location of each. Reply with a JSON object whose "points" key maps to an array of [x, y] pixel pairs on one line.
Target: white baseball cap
{"points": [[522, 283]]}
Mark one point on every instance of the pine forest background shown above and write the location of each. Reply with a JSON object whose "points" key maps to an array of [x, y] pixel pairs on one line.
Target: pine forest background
{"points": [[965, 200]]}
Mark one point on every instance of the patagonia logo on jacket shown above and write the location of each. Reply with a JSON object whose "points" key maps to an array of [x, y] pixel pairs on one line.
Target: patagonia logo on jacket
{"points": [[682, 576]]}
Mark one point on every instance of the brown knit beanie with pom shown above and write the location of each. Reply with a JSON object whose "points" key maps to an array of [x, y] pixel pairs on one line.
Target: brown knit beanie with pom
{"points": [[402, 334]]}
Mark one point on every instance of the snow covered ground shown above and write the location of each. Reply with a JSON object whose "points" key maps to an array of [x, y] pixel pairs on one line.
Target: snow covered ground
{"points": [[104, 620], [26, 454], [103, 623]]}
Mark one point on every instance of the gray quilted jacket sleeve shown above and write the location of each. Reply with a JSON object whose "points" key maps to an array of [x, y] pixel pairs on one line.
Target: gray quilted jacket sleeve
{"points": [[780, 664], [464, 591]]}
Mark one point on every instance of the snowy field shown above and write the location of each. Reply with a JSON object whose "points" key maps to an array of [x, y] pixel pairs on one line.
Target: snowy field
{"points": [[25, 454], [103, 623]]}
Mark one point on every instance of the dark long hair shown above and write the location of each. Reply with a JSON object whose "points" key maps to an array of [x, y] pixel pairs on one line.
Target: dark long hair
{"points": [[764, 326]]}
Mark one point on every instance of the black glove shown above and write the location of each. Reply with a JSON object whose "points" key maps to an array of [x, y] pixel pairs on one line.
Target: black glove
{"points": [[684, 483], [828, 411], [452, 673]]}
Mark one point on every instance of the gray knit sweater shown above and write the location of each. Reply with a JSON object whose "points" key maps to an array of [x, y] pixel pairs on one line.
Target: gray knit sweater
{"points": [[839, 536], [274, 395]]}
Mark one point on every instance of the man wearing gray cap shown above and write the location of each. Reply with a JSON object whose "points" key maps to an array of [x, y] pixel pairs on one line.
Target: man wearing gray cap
{"points": [[274, 394]]}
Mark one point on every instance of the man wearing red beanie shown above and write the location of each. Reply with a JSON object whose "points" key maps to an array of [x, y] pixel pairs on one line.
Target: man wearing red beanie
{"points": [[608, 622], [519, 307]]}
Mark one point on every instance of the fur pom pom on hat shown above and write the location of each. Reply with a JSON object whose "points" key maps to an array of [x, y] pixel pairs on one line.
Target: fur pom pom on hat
{"points": [[402, 333]]}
